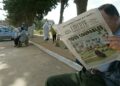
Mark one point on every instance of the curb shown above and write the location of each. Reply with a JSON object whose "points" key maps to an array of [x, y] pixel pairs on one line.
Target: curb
{"points": [[59, 57]]}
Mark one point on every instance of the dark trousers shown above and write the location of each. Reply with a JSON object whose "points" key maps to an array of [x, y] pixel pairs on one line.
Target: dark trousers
{"points": [[54, 38], [63, 80], [75, 79], [16, 41], [84, 78]]}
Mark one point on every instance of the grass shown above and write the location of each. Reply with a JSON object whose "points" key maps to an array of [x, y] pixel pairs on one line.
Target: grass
{"points": [[40, 32]]}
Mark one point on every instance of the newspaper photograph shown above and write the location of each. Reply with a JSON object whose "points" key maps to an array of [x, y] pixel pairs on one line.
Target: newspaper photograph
{"points": [[85, 36]]}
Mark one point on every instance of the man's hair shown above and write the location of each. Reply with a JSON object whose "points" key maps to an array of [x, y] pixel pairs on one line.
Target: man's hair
{"points": [[109, 9]]}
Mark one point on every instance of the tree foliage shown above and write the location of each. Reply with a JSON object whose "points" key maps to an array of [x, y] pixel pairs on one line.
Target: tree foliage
{"points": [[20, 11]]}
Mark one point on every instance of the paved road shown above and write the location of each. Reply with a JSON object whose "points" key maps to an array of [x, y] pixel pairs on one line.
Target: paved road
{"points": [[27, 66]]}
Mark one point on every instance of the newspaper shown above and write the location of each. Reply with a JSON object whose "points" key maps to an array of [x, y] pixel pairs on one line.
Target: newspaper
{"points": [[85, 36]]}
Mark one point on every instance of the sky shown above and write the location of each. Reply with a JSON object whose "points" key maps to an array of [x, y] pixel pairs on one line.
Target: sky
{"points": [[2, 13], [70, 11]]}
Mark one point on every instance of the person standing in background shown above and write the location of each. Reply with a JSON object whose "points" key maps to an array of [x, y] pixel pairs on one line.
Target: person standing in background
{"points": [[46, 30], [53, 32]]}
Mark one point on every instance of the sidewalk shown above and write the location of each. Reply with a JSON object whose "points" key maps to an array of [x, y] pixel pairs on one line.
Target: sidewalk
{"points": [[60, 53]]}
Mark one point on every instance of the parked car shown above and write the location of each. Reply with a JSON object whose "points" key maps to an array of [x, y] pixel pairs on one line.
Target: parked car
{"points": [[6, 33]]}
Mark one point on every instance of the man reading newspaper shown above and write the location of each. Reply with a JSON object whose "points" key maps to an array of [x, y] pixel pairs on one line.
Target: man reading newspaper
{"points": [[110, 77]]}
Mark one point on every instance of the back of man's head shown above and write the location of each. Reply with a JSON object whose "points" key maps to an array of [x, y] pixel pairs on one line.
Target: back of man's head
{"points": [[109, 9], [110, 15]]}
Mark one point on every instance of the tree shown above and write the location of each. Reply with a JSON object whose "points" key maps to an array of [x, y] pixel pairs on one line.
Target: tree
{"points": [[26, 10], [64, 4], [81, 6]]}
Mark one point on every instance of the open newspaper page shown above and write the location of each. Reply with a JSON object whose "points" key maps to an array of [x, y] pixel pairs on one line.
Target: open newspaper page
{"points": [[85, 36]]}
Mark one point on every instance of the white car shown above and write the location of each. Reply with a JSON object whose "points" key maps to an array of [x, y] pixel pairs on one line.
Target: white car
{"points": [[6, 33]]}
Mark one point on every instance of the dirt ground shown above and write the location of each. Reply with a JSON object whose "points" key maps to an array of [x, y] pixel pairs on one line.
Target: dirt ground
{"points": [[27, 66]]}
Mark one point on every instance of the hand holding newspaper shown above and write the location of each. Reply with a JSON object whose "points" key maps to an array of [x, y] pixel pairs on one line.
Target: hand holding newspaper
{"points": [[85, 36]]}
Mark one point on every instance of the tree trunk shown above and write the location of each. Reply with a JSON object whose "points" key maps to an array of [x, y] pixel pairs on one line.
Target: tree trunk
{"points": [[81, 6], [61, 12]]}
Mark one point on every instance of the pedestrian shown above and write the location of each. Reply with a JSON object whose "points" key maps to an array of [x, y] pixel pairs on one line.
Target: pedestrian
{"points": [[110, 73], [53, 32], [16, 36], [46, 30], [23, 37]]}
